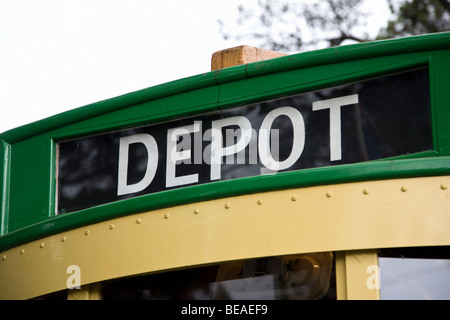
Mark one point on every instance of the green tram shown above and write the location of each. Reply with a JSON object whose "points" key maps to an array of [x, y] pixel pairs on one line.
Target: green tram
{"points": [[319, 175]]}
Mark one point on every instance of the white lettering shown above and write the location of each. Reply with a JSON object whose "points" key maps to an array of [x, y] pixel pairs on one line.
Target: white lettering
{"points": [[190, 309], [173, 155], [218, 150], [230, 139], [265, 152], [152, 163], [335, 121], [251, 309]]}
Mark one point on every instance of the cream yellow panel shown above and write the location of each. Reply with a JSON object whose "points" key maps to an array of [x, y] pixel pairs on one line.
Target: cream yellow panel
{"points": [[354, 216], [357, 275]]}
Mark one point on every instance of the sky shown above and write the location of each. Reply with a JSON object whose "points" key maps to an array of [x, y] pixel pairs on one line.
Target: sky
{"points": [[57, 55]]}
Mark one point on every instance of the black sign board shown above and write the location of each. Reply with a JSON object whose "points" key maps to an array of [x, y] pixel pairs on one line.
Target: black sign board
{"points": [[377, 118]]}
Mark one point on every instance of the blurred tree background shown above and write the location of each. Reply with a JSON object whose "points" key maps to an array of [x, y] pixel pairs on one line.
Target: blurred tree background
{"points": [[292, 26]]}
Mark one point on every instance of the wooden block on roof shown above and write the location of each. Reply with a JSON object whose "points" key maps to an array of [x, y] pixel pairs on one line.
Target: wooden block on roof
{"points": [[241, 55]]}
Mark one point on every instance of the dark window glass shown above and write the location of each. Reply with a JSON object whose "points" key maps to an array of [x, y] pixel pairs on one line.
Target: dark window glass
{"points": [[283, 278], [59, 295], [373, 119]]}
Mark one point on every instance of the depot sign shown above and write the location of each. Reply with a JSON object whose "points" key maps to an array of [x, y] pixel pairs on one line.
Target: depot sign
{"points": [[346, 124], [218, 149]]}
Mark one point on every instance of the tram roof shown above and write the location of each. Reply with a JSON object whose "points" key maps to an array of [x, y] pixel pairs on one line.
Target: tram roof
{"points": [[437, 41]]}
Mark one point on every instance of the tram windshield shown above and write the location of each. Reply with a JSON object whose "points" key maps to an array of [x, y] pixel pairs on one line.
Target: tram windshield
{"points": [[415, 273], [297, 277]]}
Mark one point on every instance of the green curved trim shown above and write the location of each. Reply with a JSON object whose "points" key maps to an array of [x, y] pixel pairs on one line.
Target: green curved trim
{"points": [[369, 171], [436, 41]]}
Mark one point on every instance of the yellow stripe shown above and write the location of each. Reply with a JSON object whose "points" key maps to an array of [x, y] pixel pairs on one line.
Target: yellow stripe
{"points": [[354, 216]]}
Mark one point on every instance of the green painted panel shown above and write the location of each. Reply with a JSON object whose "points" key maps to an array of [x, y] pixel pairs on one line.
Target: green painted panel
{"points": [[4, 185], [440, 81], [115, 120], [30, 182]]}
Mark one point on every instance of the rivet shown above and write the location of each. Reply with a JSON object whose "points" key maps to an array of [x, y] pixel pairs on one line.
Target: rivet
{"points": [[112, 226], [87, 232], [22, 251], [196, 210], [4, 258], [329, 194], [404, 189], [138, 220], [365, 191], [294, 198], [166, 216], [227, 206], [443, 186], [260, 201], [63, 239], [42, 245]]}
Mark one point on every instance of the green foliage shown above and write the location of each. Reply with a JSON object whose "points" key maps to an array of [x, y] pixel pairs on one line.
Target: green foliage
{"points": [[418, 17], [291, 26]]}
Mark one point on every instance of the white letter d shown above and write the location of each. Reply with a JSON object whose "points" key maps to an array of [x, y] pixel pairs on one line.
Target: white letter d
{"points": [[152, 149]]}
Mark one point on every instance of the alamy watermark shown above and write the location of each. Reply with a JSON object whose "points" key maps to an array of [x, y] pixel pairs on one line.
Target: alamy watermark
{"points": [[74, 280], [373, 280]]}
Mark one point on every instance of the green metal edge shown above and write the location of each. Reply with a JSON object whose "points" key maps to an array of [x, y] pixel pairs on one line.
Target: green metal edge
{"points": [[4, 185], [428, 42], [368, 171]]}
